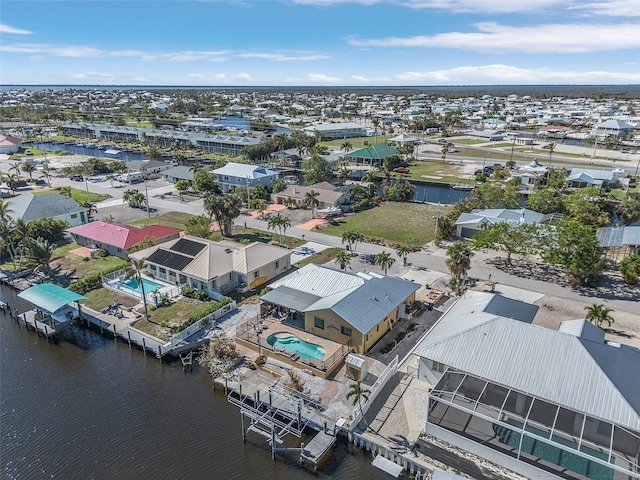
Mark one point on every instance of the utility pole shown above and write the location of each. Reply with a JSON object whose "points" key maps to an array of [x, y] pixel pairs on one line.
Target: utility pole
{"points": [[146, 194]]}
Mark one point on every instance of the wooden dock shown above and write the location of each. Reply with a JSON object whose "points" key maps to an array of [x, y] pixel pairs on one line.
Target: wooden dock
{"points": [[39, 327]]}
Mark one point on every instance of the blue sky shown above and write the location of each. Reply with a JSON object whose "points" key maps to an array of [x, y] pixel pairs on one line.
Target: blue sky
{"points": [[320, 42]]}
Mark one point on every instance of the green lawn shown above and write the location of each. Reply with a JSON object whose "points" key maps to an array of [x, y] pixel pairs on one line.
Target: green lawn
{"points": [[391, 221], [435, 168], [71, 265], [358, 142], [78, 195], [170, 219], [100, 298], [319, 258], [468, 141], [164, 317]]}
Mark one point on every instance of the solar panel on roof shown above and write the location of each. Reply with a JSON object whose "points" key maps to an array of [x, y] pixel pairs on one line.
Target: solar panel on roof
{"points": [[169, 259], [188, 247]]}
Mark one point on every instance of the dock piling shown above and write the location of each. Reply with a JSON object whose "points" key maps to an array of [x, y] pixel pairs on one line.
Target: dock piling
{"points": [[115, 335]]}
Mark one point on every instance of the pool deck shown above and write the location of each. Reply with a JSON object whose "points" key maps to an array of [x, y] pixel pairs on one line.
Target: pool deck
{"points": [[255, 333]]}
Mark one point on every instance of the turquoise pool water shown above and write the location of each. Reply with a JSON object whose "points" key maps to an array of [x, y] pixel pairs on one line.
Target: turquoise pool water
{"points": [[149, 286], [293, 344]]}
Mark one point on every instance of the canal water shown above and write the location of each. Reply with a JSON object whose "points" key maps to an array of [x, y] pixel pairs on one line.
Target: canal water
{"points": [[89, 408]]}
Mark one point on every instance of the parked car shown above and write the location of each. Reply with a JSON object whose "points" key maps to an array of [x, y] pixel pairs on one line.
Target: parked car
{"points": [[401, 170], [455, 162], [76, 178], [28, 152]]}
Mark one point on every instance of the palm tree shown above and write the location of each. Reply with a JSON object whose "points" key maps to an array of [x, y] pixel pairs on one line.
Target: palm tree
{"points": [[343, 174], [41, 252], [402, 251], [385, 260], [376, 125], [346, 146], [15, 167], [91, 209], [343, 259], [111, 178], [370, 176], [359, 394], [5, 210], [6, 229], [20, 234], [445, 150], [65, 191], [310, 199], [599, 314], [135, 270], [29, 167], [459, 261], [552, 147], [273, 222], [279, 222], [46, 174], [352, 238]]}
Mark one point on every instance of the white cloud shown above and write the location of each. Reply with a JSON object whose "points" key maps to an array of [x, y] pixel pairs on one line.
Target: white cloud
{"points": [[495, 38], [15, 31], [86, 75], [610, 8], [279, 57], [498, 74], [322, 78], [455, 6], [360, 78], [242, 76]]}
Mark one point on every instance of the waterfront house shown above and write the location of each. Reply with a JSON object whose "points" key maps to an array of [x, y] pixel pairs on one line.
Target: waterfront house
{"points": [[619, 242], [563, 400], [212, 266], [328, 195], [117, 238], [31, 207], [468, 224], [372, 156], [486, 135], [341, 306], [240, 175], [612, 127]]}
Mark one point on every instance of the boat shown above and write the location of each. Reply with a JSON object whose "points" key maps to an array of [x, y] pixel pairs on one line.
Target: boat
{"points": [[330, 211], [465, 188], [80, 144], [291, 180], [91, 145]]}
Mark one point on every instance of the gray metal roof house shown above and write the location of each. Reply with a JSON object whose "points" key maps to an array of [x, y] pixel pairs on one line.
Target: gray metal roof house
{"points": [[566, 401], [31, 207]]}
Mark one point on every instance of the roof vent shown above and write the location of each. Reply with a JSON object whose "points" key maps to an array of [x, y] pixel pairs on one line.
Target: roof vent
{"points": [[102, 225], [227, 250]]}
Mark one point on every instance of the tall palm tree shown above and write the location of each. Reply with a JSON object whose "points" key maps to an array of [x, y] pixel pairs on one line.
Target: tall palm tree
{"points": [[385, 260], [357, 394], [459, 261], [552, 147], [6, 229], [343, 259], [46, 174], [402, 251], [91, 209], [20, 235], [599, 314], [445, 150], [346, 146], [65, 191], [15, 167], [135, 270], [5, 210], [310, 199], [376, 125], [370, 176], [343, 174], [352, 238]]}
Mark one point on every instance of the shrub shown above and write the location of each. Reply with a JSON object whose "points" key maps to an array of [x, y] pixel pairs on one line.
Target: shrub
{"points": [[190, 292], [95, 280], [210, 308]]}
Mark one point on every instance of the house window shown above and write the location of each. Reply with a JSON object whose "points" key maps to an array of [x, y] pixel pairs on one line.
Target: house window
{"points": [[152, 268], [346, 331], [255, 274], [277, 264], [226, 178], [230, 278], [74, 215], [318, 322]]}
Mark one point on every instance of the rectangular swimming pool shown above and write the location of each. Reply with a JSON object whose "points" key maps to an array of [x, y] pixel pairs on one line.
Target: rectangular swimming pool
{"points": [[132, 284]]}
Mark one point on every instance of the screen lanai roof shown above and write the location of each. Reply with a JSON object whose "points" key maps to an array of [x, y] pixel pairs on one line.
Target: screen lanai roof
{"points": [[575, 372], [49, 297]]}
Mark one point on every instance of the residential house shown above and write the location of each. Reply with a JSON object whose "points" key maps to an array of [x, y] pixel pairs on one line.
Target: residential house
{"points": [[9, 144], [468, 224], [591, 177], [616, 128], [181, 172], [31, 207], [117, 238], [332, 131], [240, 175], [619, 242], [486, 135], [215, 266], [561, 401], [341, 306], [372, 156], [328, 195]]}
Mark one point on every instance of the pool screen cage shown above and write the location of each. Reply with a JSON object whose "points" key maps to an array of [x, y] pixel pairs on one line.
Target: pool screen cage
{"points": [[550, 436]]}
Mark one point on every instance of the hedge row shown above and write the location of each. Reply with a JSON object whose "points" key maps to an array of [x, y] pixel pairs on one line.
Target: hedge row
{"points": [[95, 280]]}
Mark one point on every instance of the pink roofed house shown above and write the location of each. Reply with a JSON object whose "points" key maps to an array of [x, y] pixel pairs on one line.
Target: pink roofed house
{"points": [[118, 238]]}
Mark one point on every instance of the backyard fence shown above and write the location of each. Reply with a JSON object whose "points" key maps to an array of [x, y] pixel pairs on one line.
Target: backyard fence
{"points": [[203, 322]]}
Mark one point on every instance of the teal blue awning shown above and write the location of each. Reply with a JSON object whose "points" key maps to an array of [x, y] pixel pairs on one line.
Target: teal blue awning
{"points": [[49, 297]]}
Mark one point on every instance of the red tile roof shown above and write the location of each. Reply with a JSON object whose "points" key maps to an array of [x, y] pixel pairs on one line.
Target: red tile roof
{"points": [[9, 140], [120, 235]]}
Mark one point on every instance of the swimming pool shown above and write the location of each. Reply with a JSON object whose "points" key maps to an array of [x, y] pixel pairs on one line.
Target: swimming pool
{"points": [[293, 344], [132, 284]]}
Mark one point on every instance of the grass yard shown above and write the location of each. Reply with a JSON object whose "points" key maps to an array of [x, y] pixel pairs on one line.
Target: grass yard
{"points": [[170, 219], [78, 195], [357, 143], [319, 258], [250, 235], [72, 266], [435, 168], [469, 141], [392, 221], [100, 298], [162, 318]]}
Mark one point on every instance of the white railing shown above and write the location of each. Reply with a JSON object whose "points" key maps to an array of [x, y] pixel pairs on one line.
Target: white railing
{"points": [[203, 322], [377, 387]]}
